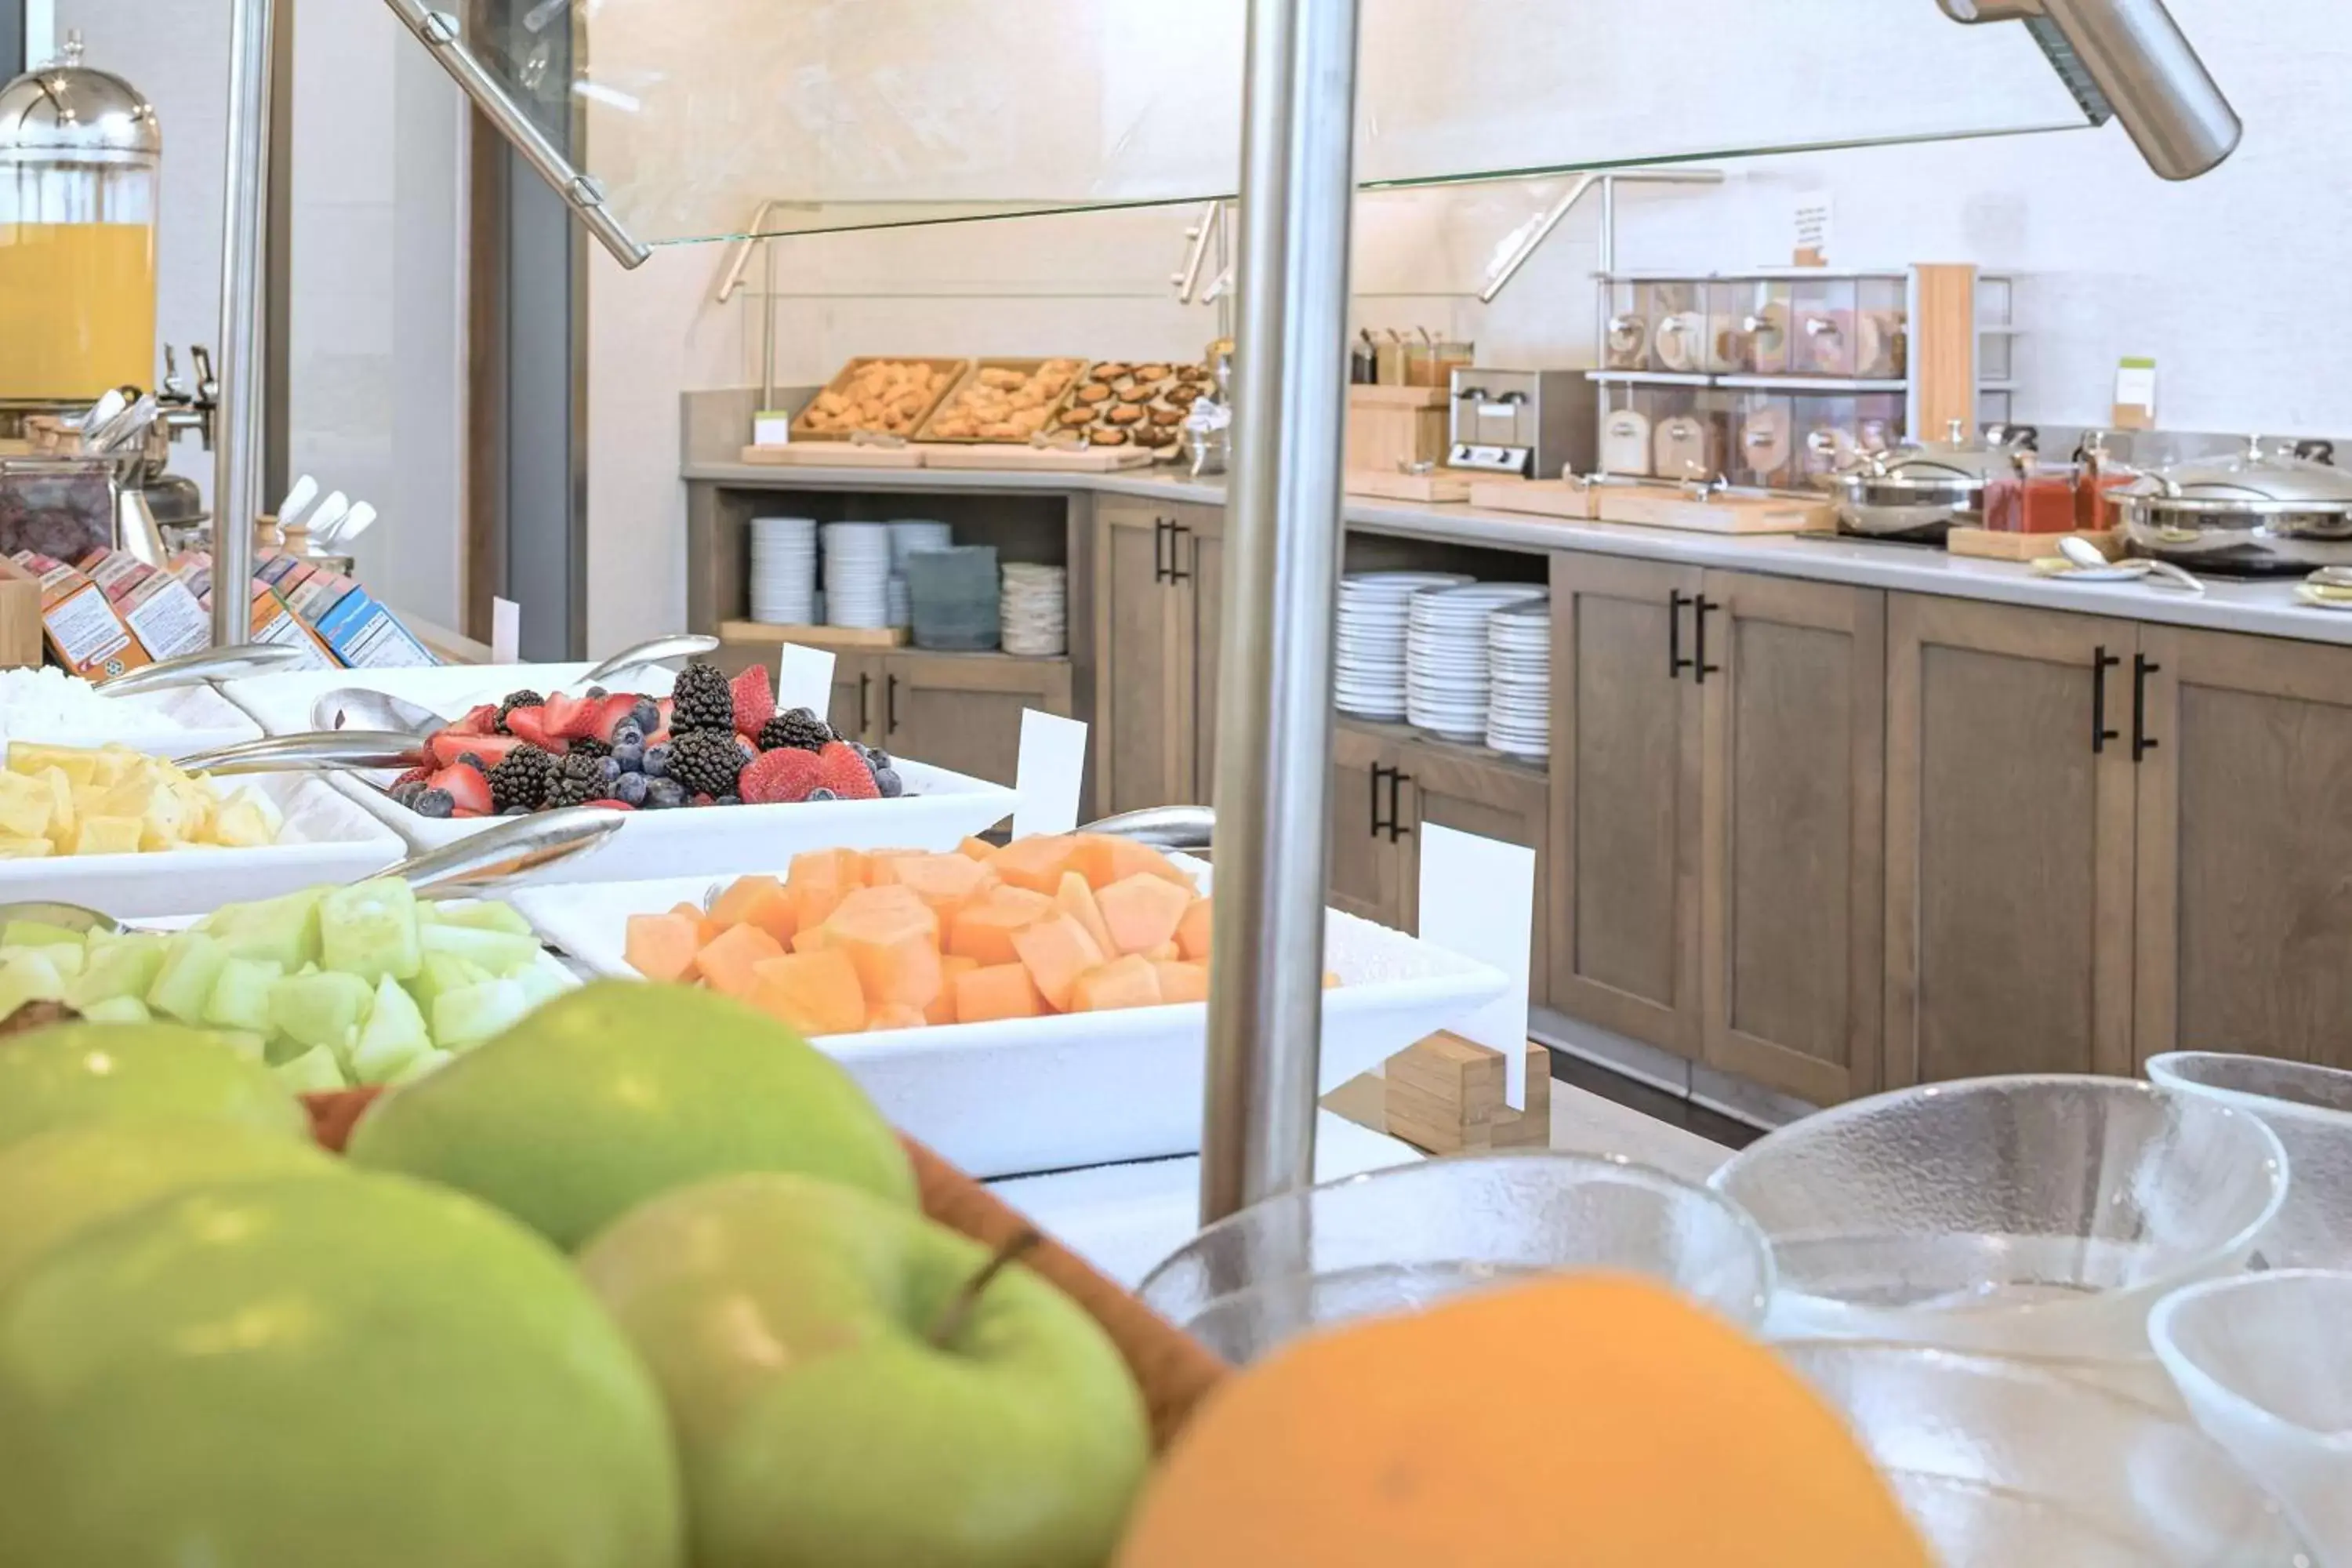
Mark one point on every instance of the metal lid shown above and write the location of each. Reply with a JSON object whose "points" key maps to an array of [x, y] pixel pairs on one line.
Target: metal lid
{"points": [[1922, 470], [2250, 481], [66, 111]]}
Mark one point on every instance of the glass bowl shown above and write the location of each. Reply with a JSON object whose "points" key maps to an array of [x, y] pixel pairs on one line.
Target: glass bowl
{"points": [[2264, 1363], [1413, 1234], [2310, 1109], [2003, 1462], [2031, 1217]]}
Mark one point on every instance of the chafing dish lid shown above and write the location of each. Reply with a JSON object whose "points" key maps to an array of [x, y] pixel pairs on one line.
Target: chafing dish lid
{"points": [[2253, 481]]}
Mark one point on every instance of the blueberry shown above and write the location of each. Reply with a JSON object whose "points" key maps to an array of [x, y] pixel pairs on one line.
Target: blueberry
{"points": [[627, 734], [598, 691], [631, 757], [474, 760], [823, 795], [630, 789], [406, 793], [664, 793], [433, 802], [654, 765], [887, 780], [879, 758], [728, 800], [645, 716], [608, 770]]}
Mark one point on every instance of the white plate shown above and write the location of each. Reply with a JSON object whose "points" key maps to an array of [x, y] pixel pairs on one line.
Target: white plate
{"points": [[1041, 1094], [282, 703], [2114, 572], [2309, 594], [327, 839]]}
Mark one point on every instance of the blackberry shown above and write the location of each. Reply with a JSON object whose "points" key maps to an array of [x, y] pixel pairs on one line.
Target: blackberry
{"points": [[589, 746], [577, 780], [517, 699], [799, 727], [706, 762], [522, 779], [701, 700]]}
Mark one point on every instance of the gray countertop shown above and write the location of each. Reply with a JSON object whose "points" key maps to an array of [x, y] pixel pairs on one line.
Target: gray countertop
{"points": [[2265, 608]]}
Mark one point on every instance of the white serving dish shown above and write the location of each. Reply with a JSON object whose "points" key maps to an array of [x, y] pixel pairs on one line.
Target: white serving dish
{"points": [[203, 717], [1045, 1094], [327, 839], [282, 703]]}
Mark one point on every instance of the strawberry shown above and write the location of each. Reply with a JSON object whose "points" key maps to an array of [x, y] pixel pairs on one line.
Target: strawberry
{"points": [[570, 717], [469, 790], [698, 798], [529, 723], [658, 738], [414, 775], [608, 712], [755, 699], [480, 719], [448, 745], [841, 770], [786, 774], [666, 705]]}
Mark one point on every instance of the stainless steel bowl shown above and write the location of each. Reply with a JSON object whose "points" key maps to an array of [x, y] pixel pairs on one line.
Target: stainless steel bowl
{"points": [[1916, 494], [2259, 513]]}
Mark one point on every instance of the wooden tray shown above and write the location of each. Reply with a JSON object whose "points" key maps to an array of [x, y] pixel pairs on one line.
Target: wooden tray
{"points": [[1986, 544], [1039, 460], [924, 432], [834, 455], [1174, 1371], [1441, 488], [861, 639], [1537, 497], [955, 369], [1657, 506]]}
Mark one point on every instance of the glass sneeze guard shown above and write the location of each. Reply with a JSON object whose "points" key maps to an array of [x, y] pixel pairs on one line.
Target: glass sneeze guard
{"points": [[689, 115]]}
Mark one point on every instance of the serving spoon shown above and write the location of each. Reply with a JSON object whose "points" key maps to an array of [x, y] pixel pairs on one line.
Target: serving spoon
{"points": [[2086, 555], [364, 708], [203, 665]]}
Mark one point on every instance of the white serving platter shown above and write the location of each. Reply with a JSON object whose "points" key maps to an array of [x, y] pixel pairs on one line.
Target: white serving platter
{"points": [[327, 839], [201, 718], [1043, 1094], [281, 703]]}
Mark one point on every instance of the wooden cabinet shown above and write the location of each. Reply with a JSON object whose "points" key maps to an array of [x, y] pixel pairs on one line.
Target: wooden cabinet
{"points": [[1156, 602], [1365, 879], [955, 710], [2008, 841], [2243, 934], [855, 677]]}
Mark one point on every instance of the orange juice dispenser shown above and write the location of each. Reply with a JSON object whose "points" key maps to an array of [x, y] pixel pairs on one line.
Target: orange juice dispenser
{"points": [[79, 157]]}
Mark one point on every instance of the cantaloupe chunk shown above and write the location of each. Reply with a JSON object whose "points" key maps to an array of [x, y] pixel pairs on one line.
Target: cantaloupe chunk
{"points": [[942, 1009], [726, 963], [1057, 950], [892, 938], [808, 941], [1166, 952], [1192, 931], [1036, 862], [820, 879], [815, 992], [1077, 899], [1128, 982], [946, 882], [1142, 911], [982, 930], [986, 993], [977, 849], [735, 904], [894, 1015], [1105, 859], [707, 927], [1182, 982], [662, 947]]}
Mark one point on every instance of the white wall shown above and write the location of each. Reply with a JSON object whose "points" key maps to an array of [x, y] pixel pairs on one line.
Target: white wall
{"points": [[2233, 282]]}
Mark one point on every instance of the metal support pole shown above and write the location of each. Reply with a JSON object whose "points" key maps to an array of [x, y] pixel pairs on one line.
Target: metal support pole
{"points": [[1283, 546], [236, 452]]}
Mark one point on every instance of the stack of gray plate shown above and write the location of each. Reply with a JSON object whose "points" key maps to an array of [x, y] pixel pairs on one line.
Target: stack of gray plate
{"points": [[953, 595]]}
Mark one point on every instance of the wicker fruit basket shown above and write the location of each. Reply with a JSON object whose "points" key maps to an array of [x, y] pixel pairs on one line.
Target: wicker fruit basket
{"points": [[1172, 1368]]}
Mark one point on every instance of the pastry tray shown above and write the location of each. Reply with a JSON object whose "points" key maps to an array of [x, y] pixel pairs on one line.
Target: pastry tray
{"points": [[799, 431], [972, 377]]}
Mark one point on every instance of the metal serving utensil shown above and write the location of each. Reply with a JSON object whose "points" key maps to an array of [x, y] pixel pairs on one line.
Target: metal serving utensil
{"points": [[666, 651], [203, 665], [1186, 828], [323, 749]]}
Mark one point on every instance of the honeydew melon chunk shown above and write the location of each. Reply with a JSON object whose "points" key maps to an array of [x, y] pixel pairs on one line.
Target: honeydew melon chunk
{"points": [[40, 933], [500, 952], [241, 996], [315, 1072], [370, 931], [420, 1064], [185, 982], [542, 981], [282, 930], [442, 973], [68, 962], [323, 1009], [29, 977], [119, 966], [244, 1042], [116, 1010], [395, 1035], [486, 914], [472, 1014]]}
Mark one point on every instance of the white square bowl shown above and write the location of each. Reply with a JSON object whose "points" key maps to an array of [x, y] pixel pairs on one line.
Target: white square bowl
{"points": [[199, 716]]}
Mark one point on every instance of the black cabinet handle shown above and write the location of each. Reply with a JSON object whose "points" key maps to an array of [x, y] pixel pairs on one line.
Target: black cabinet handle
{"points": [[2101, 662], [1160, 527], [1675, 662], [1701, 669], [891, 706], [865, 703], [1377, 771], [2142, 668], [1397, 829], [1176, 574]]}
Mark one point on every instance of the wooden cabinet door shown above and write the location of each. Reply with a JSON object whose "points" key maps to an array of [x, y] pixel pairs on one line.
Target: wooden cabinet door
{"points": [[1143, 708], [856, 696], [963, 711], [2244, 927], [1206, 554], [2008, 841], [1365, 878], [1446, 786], [1792, 847], [1625, 799]]}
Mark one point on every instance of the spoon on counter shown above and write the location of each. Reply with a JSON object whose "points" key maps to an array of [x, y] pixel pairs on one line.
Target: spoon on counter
{"points": [[483, 862], [2087, 557]]}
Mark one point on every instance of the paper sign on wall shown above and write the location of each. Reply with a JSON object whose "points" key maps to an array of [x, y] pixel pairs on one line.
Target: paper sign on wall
{"points": [[1814, 215], [506, 631], [805, 680], [1478, 899], [1053, 762], [2134, 396]]}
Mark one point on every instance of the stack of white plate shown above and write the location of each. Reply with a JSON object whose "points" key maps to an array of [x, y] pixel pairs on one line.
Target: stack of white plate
{"points": [[1370, 647], [856, 573], [1446, 667], [1518, 656], [1033, 610], [784, 571], [894, 601]]}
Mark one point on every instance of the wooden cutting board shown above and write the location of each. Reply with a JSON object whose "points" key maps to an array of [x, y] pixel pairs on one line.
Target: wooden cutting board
{"points": [[1986, 544], [1443, 486], [1538, 498], [1037, 459], [834, 455], [1657, 506]]}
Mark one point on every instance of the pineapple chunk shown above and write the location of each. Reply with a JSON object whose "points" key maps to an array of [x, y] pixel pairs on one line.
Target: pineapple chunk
{"points": [[61, 817], [247, 820], [115, 762], [79, 764], [11, 848], [107, 835], [25, 807]]}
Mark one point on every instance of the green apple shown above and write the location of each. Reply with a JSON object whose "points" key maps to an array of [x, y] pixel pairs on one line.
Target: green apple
{"points": [[825, 1415], [71, 1074], [362, 1372], [618, 1091], [54, 1185]]}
